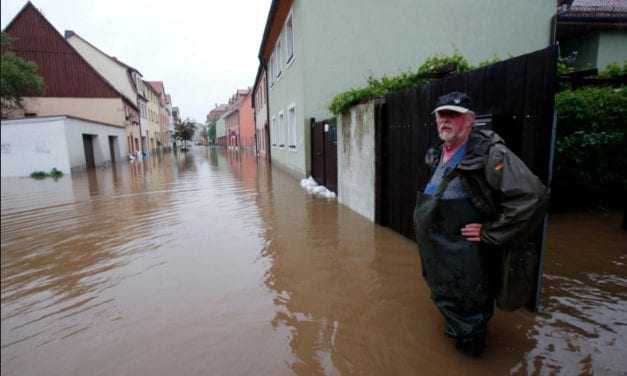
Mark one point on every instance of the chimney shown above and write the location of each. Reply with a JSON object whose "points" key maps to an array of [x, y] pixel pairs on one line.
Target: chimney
{"points": [[69, 33]]}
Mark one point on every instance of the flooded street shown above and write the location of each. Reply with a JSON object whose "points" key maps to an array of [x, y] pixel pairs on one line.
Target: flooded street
{"points": [[207, 263]]}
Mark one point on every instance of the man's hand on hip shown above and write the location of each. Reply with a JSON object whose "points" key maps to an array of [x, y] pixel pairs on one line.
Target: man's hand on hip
{"points": [[472, 232]]}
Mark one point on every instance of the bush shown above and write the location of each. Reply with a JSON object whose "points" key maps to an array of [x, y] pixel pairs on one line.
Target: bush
{"points": [[602, 108], [590, 169], [378, 87], [614, 70], [590, 158], [54, 173], [39, 175]]}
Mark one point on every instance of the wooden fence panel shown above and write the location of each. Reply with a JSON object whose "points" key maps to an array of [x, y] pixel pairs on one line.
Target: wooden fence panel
{"points": [[517, 94]]}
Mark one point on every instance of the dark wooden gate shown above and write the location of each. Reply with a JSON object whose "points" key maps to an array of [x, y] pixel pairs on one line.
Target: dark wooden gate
{"points": [[324, 153], [516, 98]]}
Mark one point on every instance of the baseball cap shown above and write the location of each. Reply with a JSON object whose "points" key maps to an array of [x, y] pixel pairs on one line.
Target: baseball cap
{"points": [[454, 101]]}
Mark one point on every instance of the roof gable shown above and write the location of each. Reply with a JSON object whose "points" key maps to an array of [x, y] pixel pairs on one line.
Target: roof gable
{"points": [[65, 72], [159, 89], [116, 73]]}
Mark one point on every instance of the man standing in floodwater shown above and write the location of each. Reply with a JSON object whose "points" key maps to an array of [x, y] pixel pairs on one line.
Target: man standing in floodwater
{"points": [[480, 197]]}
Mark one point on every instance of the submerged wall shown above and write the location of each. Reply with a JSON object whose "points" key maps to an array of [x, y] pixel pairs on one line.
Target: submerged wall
{"points": [[356, 159], [44, 143], [33, 144]]}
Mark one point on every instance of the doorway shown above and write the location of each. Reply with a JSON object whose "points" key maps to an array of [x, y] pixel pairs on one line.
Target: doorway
{"points": [[90, 161], [113, 143]]}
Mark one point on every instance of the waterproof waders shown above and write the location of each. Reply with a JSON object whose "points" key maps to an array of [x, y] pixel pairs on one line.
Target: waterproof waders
{"points": [[456, 269]]}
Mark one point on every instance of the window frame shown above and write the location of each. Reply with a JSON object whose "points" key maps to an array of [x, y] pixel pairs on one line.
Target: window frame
{"points": [[292, 135], [273, 132], [281, 133], [289, 38]]}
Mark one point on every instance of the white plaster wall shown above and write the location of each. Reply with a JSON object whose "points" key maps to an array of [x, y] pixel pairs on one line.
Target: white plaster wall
{"points": [[106, 110], [356, 159], [74, 131], [36, 144]]}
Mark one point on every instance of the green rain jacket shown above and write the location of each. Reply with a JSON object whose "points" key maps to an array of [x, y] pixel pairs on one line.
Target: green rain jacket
{"points": [[501, 186]]}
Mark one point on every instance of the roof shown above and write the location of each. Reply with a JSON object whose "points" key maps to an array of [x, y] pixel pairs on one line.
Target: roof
{"points": [[279, 9], [71, 34], [576, 18], [149, 86], [39, 119], [39, 41], [159, 89], [594, 9], [218, 111]]}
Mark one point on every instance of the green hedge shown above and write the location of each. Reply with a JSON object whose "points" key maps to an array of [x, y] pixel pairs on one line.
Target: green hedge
{"points": [[602, 108], [590, 153]]}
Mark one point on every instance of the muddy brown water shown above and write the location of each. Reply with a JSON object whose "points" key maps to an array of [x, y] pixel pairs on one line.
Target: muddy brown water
{"points": [[207, 263]]}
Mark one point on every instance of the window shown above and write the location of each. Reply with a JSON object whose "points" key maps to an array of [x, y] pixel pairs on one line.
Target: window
{"points": [[275, 66], [279, 55], [271, 69], [291, 127], [282, 129], [273, 131], [289, 31]]}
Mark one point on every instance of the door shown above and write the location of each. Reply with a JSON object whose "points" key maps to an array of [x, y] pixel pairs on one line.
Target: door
{"points": [[317, 151], [112, 142], [266, 135], [330, 154], [90, 161], [324, 153]]}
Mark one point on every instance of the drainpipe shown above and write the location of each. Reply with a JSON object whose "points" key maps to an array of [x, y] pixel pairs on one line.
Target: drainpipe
{"points": [[141, 141], [268, 147]]}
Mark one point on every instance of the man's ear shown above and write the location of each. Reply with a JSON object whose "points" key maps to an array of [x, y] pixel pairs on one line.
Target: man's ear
{"points": [[470, 117]]}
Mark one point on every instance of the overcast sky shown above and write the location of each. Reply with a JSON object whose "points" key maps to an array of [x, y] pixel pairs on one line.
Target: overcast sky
{"points": [[202, 50]]}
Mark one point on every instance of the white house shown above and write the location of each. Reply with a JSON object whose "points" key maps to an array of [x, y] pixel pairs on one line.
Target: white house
{"points": [[63, 142]]}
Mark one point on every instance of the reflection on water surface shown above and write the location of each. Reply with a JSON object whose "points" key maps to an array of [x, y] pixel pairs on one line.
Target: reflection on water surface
{"points": [[210, 263]]}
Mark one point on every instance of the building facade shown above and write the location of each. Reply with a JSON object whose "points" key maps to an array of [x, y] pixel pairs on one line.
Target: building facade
{"points": [[121, 76], [163, 115], [153, 117], [260, 112], [593, 32], [307, 66], [212, 119], [239, 123], [72, 86]]}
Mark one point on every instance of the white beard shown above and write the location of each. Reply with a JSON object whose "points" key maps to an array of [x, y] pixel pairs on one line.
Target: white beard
{"points": [[446, 136]]}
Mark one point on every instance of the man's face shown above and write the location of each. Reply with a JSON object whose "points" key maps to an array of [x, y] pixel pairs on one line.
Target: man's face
{"points": [[453, 127]]}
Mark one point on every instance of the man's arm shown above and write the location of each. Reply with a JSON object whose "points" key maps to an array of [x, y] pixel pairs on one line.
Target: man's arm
{"points": [[522, 197]]}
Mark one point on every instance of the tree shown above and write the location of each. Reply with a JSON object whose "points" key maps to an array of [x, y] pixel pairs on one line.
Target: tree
{"points": [[211, 133], [18, 77], [185, 131]]}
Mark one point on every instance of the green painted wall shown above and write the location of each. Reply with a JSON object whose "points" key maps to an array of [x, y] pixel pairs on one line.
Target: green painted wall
{"points": [[612, 48], [339, 44], [288, 90]]}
